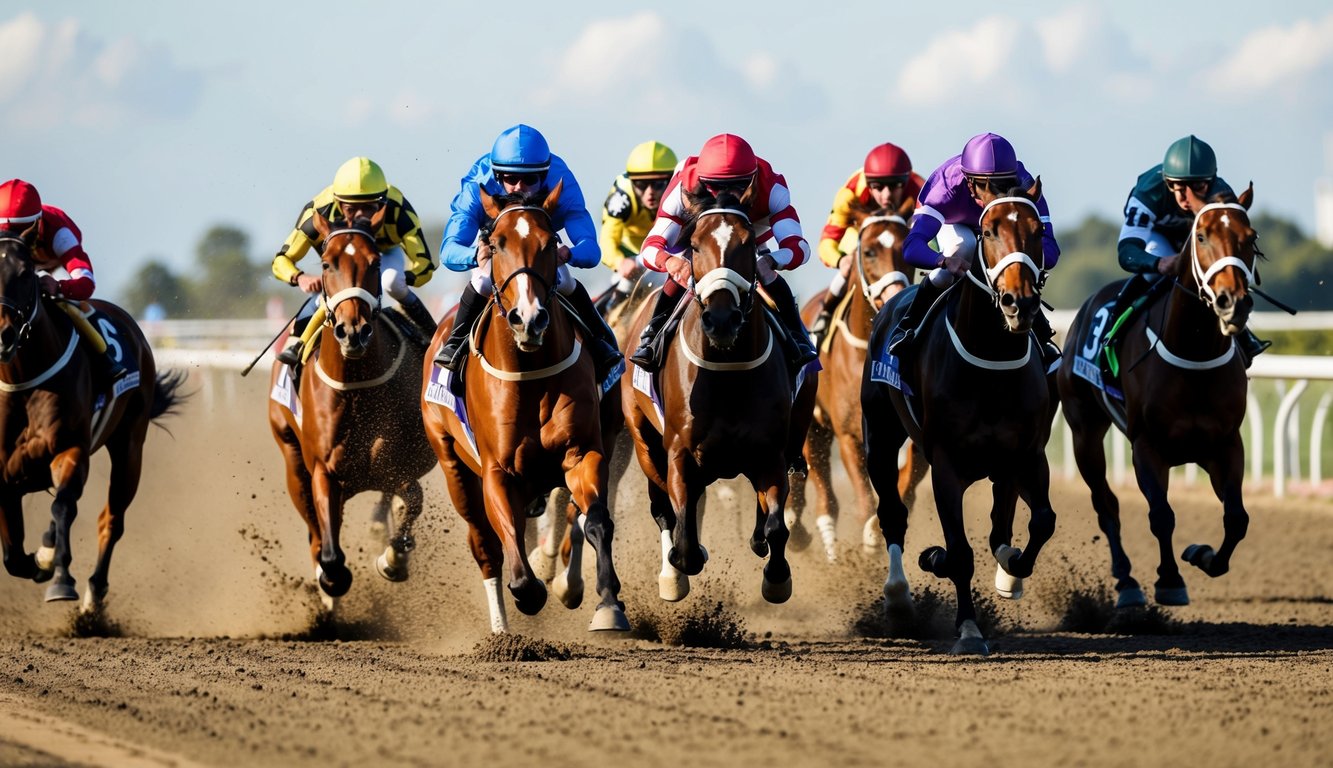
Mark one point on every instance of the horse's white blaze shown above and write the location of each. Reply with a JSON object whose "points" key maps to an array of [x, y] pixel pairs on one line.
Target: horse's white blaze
{"points": [[495, 601], [521, 227], [528, 304], [1226, 220], [887, 239], [723, 235], [1013, 216], [350, 249]]}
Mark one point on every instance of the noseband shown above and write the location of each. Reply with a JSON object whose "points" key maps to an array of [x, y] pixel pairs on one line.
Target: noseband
{"points": [[347, 294], [1203, 276], [725, 278], [872, 291], [992, 274], [498, 288]]}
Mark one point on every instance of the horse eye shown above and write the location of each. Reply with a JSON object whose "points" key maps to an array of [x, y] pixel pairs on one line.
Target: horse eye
{"points": [[326, 266]]}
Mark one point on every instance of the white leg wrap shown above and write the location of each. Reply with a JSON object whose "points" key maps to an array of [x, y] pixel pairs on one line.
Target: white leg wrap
{"points": [[46, 558], [1009, 587], [871, 537], [828, 531], [672, 585], [897, 593], [496, 602]]}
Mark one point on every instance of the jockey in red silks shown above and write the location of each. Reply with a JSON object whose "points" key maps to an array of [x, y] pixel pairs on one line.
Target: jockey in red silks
{"points": [[59, 244], [727, 164]]}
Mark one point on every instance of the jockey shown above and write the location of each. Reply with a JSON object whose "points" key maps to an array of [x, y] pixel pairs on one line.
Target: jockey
{"points": [[884, 181], [59, 244], [728, 164], [358, 192], [1159, 214], [629, 211], [520, 162], [949, 211]]}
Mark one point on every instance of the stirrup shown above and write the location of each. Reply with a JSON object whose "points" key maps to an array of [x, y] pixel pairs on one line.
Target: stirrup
{"points": [[450, 359], [291, 354]]}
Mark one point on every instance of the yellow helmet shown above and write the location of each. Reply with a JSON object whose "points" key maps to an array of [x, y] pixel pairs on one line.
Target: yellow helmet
{"points": [[651, 158], [359, 179]]}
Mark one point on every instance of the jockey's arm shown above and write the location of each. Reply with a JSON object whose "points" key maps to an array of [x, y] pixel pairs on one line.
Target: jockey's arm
{"points": [[1132, 247], [420, 265], [785, 227], [458, 251], [1050, 248], [926, 225], [67, 246], [574, 218], [298, 243], [836, 227], [666, 230]]}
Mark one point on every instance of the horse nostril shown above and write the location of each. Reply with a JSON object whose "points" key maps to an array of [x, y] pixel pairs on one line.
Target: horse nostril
{"points": [[541, 319], [340, 332], [7, 336], [734, 319], [514, 317], [707, 322], [1008, 300], [366, 330], [1224, 301]]}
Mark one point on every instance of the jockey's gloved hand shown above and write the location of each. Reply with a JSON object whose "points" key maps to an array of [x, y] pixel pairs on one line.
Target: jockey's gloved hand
{"points": [[49, 286]]}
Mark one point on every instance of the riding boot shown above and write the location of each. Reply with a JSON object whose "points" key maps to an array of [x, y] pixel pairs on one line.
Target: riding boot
{"points": [[470, 306], [107, 368], [904, 335], [1123, 300], [819, 328], [1041, 326], [602, 346], [293, 351], [798, 348], [616, 299], [1251, 346], [416, 311], [650, 340]]}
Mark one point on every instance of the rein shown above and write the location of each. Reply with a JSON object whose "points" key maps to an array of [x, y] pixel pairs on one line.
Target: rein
{"points": [[1017, 257], [44, 376]]}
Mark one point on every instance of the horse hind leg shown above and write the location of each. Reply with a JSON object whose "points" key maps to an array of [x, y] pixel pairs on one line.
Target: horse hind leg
{"points": [[126, 470], [380, 516], [818, 450], [954, 561], [568, 582], [552, 532], [586, 479], [672, 585], [406, 506], [69, 473], [1089, 426], [884, 437]]}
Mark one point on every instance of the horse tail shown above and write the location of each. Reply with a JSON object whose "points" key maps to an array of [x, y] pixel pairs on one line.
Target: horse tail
{"points": [[168, 395]]}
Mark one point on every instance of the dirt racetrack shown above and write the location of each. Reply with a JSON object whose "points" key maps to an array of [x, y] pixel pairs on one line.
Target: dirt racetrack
{"points": [[214, 657]]}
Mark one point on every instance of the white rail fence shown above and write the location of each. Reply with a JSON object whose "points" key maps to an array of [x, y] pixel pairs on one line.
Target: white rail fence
{"points": [[217, 350]]}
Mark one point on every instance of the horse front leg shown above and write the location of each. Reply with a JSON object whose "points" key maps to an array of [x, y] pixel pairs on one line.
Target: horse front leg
{"points": [[126, 467], [1089, 425], [506, 509], [334, 577], [818, 451], [1226, 473], [684, 489], [398, 535], [1153, 475], [852, 450], [771, 489], [1016, 564], [69, 473], [883, 438], [587, 481], [954, 560], [18, 563]]}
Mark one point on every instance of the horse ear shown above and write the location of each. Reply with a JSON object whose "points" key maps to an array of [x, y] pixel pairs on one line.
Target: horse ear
{"points": [[29, 235], [553, 198], [1034, 191], [907, 208], [1246, 197], [488, 204], [322, 225], [377, 220]]}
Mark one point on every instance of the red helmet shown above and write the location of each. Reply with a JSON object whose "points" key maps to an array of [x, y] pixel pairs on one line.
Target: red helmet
{"points": [[19, 203], [726, 156], [887, 160]]}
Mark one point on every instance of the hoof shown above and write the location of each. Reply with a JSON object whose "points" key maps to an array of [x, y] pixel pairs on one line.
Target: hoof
{"points": [[62, 588], [673, 587], [542, 564], [1201, 556], [872, 538], [934, 560], [1172, 596], [800, 537], [529, 596], [609, 618], [690, 565], [1010, 587], [536, 508], [776, 593], [1132, 597], [759, 547], [970, 646], [897, 597], [392, 565], [334, 582], [569, 589], [40, 575], [46, 558]]}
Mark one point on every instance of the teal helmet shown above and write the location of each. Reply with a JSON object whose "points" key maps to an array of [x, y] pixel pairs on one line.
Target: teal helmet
{"points": [[1189, 158]]}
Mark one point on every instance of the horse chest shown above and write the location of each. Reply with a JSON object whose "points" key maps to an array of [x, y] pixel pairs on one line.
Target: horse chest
{"points": [[32, 436]]}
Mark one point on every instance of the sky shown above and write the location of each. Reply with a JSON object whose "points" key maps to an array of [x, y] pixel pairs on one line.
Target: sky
{"points": [[150, 122]]}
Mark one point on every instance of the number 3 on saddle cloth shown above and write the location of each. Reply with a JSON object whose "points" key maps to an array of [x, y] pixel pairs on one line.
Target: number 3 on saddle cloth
{"points": [[1097, 360]]}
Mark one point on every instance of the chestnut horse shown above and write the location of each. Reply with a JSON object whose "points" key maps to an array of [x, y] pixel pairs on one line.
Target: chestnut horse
{"points": [[1184, 391], [726, 402], [541, 429], [52, 425], [976, 400], [356, 425], [880, 272]]}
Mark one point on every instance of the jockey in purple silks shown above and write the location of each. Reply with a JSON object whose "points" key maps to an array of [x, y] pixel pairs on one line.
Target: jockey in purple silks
{"points": [[949, 212]]}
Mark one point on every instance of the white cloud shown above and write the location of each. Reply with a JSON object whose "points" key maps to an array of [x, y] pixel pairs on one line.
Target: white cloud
{"points": [[1276, 56], [608, 54], [960, 61], [57, 73]]}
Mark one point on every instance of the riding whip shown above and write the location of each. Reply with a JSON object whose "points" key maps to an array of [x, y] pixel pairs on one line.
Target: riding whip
{"points": [[299, 310]]}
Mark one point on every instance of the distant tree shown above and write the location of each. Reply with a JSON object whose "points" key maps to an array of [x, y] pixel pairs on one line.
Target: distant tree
{"points": [[228, 282], [156, 283]]}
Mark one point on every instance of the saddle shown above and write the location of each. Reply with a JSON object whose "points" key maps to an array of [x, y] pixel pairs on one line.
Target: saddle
{"points": [[1136, 296]]}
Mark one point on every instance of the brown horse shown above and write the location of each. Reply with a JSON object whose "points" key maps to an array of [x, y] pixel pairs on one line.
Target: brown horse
{"points": [[52, 424], [1184, 394], [880, 273], [542, 428], [977, 401], [726, 403], [354, 425]]}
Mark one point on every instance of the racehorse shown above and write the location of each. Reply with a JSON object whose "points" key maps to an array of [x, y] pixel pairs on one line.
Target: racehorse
{"points": [[1184, 392], [726, 402], [55, 418], [880, 273], [977, 402], [353, 424], [541, 429]]}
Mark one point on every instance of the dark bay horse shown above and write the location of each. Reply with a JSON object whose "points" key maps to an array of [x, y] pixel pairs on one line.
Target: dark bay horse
{"points": [[977, 402], [879, 273], [535, 421], [1184, 391], [52, 425], [355, 424], [726, 403]]}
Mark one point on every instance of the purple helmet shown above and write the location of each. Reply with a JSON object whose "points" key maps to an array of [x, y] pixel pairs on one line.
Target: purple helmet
{"points": [[989, 155]]}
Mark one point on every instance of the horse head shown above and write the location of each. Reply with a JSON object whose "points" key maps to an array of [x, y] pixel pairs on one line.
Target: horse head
{"points": [[351, 276], [1011, 266], [20, 297], [881, 270], [1222, 259], [724, 271], [523, 252]]}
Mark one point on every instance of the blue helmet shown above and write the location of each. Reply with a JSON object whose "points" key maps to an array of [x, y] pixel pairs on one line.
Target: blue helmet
{"points": [[520, 149]]}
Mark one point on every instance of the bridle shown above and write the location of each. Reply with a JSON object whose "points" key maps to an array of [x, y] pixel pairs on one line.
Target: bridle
{"points": [[498, 287], [724, 278], [1203, 276], [347, 294], [872, 291], [992, 274]]}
